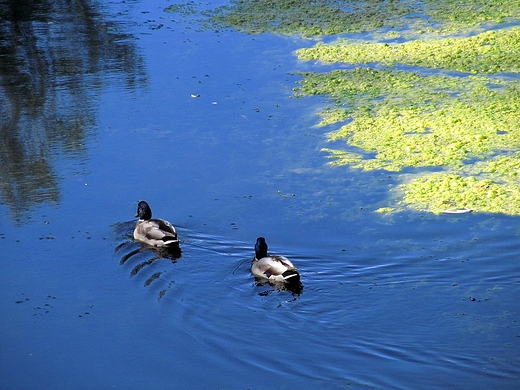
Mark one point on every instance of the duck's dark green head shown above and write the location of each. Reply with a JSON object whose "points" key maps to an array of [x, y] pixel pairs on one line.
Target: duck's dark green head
{"points": [[260, 248], [144, 211]]}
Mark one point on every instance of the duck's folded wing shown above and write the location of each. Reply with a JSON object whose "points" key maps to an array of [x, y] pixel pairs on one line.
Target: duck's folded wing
{"points": [[154, 233], [163, 225], [274, 265], [284, 262], [151, 231]]}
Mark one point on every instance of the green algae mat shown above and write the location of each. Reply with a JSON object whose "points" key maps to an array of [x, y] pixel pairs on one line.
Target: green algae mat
{"points": [[434, 91]]}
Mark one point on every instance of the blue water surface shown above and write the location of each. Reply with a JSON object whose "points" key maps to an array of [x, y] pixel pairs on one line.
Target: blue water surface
{"points": [[203, 126]]}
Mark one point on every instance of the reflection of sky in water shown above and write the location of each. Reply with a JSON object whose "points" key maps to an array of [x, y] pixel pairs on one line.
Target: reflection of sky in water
{"points": [[411, 294]]}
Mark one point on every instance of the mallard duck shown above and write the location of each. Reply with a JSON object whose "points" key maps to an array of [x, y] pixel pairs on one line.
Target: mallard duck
{"points": [[154, 232], [273, 269]]}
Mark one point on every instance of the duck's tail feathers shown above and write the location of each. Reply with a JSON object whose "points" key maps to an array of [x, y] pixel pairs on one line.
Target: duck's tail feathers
{"points": [[170, 240], [292, 281], [291, 275]]}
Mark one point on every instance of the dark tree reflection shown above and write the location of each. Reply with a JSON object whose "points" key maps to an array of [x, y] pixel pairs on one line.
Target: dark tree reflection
{"points": [[54, 58]]}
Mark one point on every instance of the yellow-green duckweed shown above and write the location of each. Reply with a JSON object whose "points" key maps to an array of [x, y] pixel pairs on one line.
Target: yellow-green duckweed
{"points": [[402, 119], [327, 17], [439, 192], [410, 121], [467, 129], [457, 124], [455, 15], [506, 168], [307, 18], [489, 52]]}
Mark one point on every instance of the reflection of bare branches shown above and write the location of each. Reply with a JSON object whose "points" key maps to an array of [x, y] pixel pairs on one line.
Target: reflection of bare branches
{"points": [[54, 58]]}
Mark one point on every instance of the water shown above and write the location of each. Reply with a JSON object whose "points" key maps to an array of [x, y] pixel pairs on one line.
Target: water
{"points": [[405, 301]]}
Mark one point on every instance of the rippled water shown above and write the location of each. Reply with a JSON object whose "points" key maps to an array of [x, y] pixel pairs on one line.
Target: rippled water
{"points": [[211, 139]]}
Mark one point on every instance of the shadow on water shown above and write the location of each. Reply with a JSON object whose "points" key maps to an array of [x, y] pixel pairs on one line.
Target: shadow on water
{"points": [[55, 59]]}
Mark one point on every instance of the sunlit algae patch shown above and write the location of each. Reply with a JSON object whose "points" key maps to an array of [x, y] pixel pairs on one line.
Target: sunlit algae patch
{"points": [[399, 119], [326, 17], [456, 128]]}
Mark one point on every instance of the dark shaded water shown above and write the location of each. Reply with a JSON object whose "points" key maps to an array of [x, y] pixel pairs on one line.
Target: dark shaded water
{"points": [[202, 126]]}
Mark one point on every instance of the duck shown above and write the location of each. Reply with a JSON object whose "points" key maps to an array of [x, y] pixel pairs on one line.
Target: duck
{"points": [[274, 269], [153, 231]]}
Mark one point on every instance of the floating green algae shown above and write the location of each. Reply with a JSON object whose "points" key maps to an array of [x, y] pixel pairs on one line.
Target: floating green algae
{"points": [[333, 115], [488, 52], [439, 192], [405, 120], [385, 210], [506, 168], [327, 17], [458, 14], [184, 9], [466, 129], [307, 18]]}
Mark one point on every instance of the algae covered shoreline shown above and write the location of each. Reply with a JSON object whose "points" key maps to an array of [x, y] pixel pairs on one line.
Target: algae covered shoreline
{"points": [[436, 92]]}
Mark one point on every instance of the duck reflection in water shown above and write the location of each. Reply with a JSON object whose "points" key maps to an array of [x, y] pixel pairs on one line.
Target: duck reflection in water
{"points": [[171, 253], [145, 255], [277, 271]]}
